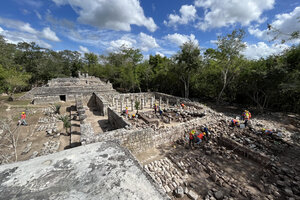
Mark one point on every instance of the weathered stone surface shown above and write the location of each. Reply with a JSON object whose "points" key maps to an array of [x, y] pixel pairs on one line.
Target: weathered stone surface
{"points": [[97, 171], [66, 89], [179, 192], [193, 195], [27, 148], [288, 192], [34, 154], [219, 195]]}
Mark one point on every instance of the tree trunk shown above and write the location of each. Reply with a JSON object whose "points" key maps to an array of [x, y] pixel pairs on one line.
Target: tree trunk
{"points": [[224, 85], [186, 83]]}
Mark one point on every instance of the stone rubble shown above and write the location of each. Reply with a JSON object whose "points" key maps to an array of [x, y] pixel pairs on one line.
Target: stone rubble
{"points": [[50, 147], [165, 174], [27, 148]]}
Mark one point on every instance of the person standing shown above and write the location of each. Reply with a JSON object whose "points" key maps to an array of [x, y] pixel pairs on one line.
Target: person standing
{"points": [[192, 138], [23, 119], [155, 108], [246, 116]]}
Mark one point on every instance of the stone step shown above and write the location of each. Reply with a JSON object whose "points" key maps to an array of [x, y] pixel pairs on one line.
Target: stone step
{"points": [[75, 131]]}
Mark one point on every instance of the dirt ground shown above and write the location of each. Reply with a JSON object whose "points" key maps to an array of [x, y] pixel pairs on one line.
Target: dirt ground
{"points": [[99, 123], [10, 112]]}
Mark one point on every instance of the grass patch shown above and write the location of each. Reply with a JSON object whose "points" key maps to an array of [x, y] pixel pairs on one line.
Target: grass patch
{"points": [[3, 98], [19, 102], [15, 102]]}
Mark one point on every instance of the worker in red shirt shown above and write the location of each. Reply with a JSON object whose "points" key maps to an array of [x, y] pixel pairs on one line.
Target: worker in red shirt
{"points": [[182, 105], [23, 119], [235, 122], [192, 138], [200, 137]]}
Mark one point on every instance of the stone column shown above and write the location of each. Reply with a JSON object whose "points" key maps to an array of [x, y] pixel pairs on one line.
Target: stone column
{"points": [[126, 102], [146, 101], [121, 106], [167, 103], [159, 101], [116, 105], [113, 101], [131, 105], [152, 101], [142, 103]]}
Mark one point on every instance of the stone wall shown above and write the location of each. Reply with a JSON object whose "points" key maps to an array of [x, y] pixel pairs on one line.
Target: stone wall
{"points": [[70, 88], [115, 120], [100, 103], [42, 100], [172, 99], [138, 140], [118, 102]]}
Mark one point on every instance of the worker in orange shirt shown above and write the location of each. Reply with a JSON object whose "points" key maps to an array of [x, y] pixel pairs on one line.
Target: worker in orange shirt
{"points": [[235, 122], [200, 137], [23, 119], [182, 105]]}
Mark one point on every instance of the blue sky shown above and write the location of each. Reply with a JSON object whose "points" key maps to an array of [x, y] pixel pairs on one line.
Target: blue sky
{"points": [[154, 26]]}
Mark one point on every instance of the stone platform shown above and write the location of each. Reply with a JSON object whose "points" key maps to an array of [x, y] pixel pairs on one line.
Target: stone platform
{"points": [[96, 171]]}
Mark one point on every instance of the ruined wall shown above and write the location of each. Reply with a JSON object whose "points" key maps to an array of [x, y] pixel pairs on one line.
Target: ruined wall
{"points": [[138, 140], [42, 100], [115, 120], [70, 87], [100, 103], [172, 99]]}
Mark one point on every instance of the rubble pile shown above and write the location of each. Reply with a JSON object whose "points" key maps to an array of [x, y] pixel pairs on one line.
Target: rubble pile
{"points": [[172, 114], [50, 147], [165, 174], [202, 171], [46, 127]]}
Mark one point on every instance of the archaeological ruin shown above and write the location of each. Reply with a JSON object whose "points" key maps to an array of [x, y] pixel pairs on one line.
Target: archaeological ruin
{"points": [[66, 89], [121, 148]]}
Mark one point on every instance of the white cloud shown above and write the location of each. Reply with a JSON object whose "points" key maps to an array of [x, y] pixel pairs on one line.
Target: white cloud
{"points": [[23, 32], [18, 36], [113, 14], [286, 23], [48, 34], [19, 25], [147, 42], [220, 13], [158, 53], [262, 50], [125, 41], [84, 49], [179, 39], [142, 41], [188, 13]]}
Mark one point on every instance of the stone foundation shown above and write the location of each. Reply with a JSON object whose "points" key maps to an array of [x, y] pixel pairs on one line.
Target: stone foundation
{"points": [[144, 139], [115, 120]]}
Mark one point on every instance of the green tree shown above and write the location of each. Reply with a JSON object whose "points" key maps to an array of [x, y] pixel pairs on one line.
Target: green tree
{"points": [[188, 60], [137, 106], [283, 36], [124, 64], [13, 80], [227, 56], [66, 122]]}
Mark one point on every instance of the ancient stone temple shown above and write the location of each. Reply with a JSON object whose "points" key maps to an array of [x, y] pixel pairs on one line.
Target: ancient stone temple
{"points": [[66, 89]]}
